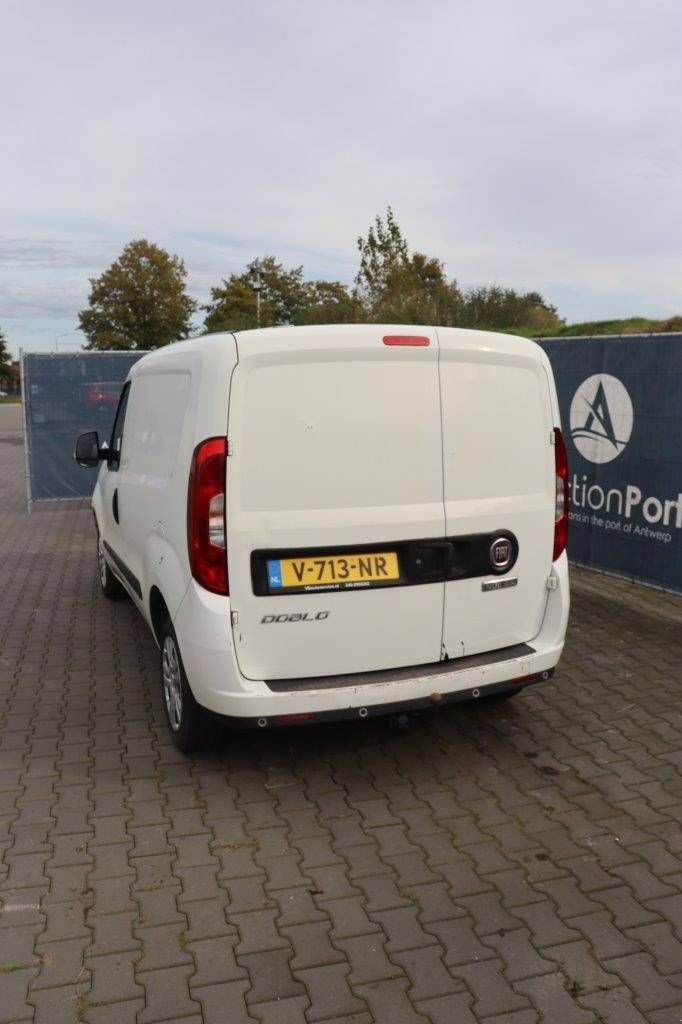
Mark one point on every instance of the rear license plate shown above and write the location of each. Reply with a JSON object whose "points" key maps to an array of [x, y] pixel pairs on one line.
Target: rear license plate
{"points": [[333, 572]]}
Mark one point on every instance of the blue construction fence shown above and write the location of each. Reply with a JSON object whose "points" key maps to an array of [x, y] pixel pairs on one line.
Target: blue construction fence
{"points": [[65, 394], [621, 413]]}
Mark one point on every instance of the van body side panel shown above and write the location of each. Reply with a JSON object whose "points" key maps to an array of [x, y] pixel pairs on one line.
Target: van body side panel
{"points": [[499, 476], [335, 442], [178, 398]]}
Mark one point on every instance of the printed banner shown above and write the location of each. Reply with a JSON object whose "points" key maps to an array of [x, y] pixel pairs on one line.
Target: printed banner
{"points": [[621, 415]]}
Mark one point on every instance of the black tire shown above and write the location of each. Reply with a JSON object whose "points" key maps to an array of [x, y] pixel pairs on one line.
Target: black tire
{"points": [[111, 588], [191, 727]]}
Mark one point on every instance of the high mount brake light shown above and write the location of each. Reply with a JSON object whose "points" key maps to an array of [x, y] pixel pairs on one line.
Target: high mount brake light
{"points": [[206, 541], [561, 502], [402, 340]]}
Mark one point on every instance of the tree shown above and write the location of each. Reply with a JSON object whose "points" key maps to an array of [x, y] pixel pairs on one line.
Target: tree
{"points": [[327, 302], [417, 292], [285, 299], [491, 307], [396, 287], [383, 253], [233, 305], [140, 302], [5, 357]]}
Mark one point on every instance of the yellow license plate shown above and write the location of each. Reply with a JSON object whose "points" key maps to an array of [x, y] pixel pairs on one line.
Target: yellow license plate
{"points": [[333, 572]]}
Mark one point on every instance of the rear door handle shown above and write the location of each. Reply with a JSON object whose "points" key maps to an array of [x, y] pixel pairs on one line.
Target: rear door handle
{"points": [[114, 505]]}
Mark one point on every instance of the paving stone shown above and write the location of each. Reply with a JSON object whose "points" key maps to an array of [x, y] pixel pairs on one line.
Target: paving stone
{"points": [[282, 1011], [311, 945], [297, 906], [349, 917], [459, 941], [329, 992], [61, 963], [427, 973], [487, 913], [271, 976], [616, 1007], [519, 955], [162, 946], [580, 966], [652, 990], [55, 1005], [382, 893], [17, 944], [113, 978], [167, 994], [549, 995], [124, 1012], [14, 1005], [404, 930], [215, 961], [258, 931], [660, 942], [670, 907], [113, 933], [450, 1009], [546, 926], [492, 993], [367, 957]]}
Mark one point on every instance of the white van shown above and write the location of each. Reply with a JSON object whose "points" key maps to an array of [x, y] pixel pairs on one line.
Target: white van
{"points": [[337, 521]]}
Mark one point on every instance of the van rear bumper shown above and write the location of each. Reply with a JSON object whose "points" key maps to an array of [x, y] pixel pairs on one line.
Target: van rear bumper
{"points": [[203, 628], [436, 700]]}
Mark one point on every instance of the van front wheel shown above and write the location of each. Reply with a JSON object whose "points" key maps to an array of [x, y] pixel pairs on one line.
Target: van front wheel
{"points": [[187, 722]]}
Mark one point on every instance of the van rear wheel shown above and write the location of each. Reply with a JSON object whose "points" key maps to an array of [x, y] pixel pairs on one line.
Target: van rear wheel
{"points": [[111, 588], [188, 723]]}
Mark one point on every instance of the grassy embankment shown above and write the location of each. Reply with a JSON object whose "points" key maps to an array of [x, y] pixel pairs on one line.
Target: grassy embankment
{"points": [[635, 325]]}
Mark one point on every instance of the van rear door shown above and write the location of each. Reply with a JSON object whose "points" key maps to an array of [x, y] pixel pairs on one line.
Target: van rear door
{"points": [[498, 462], [335, 466]]}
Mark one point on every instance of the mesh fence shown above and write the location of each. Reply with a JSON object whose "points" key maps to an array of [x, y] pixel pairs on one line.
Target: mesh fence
{"points": [[64, 395]]}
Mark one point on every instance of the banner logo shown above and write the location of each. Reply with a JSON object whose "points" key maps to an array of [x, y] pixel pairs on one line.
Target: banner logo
{"points": [[601, 418]]}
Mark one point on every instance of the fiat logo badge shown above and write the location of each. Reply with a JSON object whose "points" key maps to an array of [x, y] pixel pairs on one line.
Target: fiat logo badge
{"points": [[501, 554]]}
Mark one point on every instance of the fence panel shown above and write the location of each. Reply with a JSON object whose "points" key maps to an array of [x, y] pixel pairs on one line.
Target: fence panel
{"points": [[65, 394], [621, 412]]}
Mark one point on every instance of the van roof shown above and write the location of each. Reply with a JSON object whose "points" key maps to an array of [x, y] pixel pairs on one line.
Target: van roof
{"points": [[212, 344]]}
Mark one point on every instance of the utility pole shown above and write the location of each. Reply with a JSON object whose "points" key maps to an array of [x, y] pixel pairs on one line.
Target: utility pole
{"points": [[257, 286]]}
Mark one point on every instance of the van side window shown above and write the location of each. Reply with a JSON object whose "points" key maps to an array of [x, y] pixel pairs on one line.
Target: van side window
{"points": [[116, 441]]}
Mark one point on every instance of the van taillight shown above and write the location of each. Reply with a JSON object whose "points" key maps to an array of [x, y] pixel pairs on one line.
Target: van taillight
{"points": [[206, 515], [561, 503]]}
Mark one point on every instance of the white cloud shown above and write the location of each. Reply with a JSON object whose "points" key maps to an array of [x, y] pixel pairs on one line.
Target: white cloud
{"points": [[529, 143]]}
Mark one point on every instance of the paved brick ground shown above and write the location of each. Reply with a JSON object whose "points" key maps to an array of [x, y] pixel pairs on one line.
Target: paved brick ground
{"points": [[506, 865]]}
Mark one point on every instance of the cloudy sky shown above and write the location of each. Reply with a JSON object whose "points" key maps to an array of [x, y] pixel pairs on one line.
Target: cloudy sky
{"points": [[529, 143]]}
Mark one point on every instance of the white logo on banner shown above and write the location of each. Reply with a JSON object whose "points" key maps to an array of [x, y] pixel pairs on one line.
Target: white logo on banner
{"points": [[601, 418]]}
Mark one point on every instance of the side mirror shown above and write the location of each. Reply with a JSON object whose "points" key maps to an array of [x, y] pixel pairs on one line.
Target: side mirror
{"points": [[88, 452]]}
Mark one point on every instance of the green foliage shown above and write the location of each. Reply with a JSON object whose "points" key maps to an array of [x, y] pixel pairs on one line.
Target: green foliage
{"points": [[285, 299], [383, 254], [327, 302], [493, 308], [233, 305], [397, 287], [633, 325], [5, 357], [139, 302]]}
